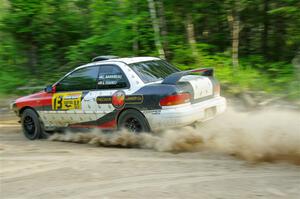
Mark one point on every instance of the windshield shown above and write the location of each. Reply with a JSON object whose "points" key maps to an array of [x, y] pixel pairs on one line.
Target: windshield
{"points": [[151, 71]]}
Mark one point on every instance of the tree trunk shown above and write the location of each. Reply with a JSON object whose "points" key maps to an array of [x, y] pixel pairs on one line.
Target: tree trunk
{"points": [[234, 23], [190, 29], [32, 58], [296, 63], [280, 39], [163, 26], [247, 40], [135, 44], [156, 29], [265, 33]]}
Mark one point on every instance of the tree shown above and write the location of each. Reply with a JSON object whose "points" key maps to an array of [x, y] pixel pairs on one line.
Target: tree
{"points": [[190, 29], [156, 29], [234, 23], [265, 32], [163, 28]]}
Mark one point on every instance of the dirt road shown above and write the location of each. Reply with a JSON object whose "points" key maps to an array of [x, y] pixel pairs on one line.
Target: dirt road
{"points": [[45, 169]]}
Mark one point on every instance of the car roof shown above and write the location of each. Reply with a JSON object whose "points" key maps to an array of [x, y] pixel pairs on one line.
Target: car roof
{"points": [[126, 60]]}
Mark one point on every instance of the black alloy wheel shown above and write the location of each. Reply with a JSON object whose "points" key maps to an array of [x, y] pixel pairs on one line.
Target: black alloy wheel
{"points": [[32, 127], [134, 121], [29, 126], [133, 125]]}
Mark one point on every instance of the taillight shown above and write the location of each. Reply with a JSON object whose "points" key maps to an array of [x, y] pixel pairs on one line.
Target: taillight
{"points": [[177, 99], [217, 89]]}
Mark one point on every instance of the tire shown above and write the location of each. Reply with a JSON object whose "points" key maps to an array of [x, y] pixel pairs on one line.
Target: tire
{"points": [[133, 121], [31, 125]]}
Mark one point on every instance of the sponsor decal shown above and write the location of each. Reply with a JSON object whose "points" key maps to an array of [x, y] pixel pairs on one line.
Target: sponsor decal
{"points": [[119, 99], [104, 100], [134, 99], [66, 101]]}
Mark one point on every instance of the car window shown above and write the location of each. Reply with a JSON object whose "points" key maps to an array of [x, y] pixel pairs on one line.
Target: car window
{"points": [[82, 79], [151, 71], [111, 77]]}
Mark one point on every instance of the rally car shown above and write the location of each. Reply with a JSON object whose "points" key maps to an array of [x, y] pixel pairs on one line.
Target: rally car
{"points": [[141, 94]]}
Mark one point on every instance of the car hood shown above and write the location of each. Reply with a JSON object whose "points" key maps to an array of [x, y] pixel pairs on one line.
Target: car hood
{"points": [[31, 96]]}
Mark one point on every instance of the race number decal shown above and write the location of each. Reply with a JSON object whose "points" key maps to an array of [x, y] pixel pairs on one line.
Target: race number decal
{"points": [[66, 101]]}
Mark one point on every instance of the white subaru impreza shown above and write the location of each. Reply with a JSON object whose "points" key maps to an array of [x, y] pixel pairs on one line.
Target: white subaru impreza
{"points": [[141, 94]]}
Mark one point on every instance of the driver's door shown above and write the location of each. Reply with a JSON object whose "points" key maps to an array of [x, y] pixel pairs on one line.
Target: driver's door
{"points": [[67, 101]]}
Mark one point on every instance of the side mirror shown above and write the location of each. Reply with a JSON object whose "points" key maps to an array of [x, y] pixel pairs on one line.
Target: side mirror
{"points": [[50, 89]]}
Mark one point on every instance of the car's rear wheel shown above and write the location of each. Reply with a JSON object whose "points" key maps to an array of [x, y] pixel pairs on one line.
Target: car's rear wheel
{"points": [[32, 127], [133, 121]]}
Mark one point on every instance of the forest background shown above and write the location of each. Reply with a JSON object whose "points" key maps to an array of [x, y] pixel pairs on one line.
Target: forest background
{"points": [[253, 45]]}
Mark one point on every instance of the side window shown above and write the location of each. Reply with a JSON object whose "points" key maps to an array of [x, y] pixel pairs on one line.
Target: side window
{"points": [[82, 79], [111, 77]]}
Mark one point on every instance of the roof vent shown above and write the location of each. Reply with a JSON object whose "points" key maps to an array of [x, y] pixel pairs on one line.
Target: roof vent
{"points": [[104, 57]]}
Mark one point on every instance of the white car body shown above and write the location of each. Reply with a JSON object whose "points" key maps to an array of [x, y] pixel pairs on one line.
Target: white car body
{"points": [[96, 108]]}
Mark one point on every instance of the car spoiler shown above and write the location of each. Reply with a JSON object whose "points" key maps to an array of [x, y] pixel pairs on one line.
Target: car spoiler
{"points": [[175, 77]]}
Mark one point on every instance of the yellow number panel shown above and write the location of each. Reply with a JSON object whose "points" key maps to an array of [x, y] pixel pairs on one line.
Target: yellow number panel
{"points": [[66, 101]]}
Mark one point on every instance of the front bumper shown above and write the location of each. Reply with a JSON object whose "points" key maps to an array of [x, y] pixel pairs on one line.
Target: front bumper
{"points": [[13, 107], [183, 115]]}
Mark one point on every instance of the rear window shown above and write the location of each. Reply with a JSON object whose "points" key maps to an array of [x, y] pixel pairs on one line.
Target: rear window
{"points": [[151, 71]]}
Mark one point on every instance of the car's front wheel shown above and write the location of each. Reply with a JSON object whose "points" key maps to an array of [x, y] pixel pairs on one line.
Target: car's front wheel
{"points": [[31, 125], [133, 121]]}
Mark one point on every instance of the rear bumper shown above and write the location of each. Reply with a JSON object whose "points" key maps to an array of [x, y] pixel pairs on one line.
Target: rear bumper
{"points": [[183, 115]]}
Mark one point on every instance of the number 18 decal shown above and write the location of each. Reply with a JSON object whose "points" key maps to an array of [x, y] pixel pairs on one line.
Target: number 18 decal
{"points": [[66, 101]]}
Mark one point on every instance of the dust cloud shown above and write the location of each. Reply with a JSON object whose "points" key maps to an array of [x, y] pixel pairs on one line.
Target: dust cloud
{"points": [[268, 135]]}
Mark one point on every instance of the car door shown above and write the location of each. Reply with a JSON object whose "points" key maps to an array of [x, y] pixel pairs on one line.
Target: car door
{"points": [[111, 79], [68, 106]]}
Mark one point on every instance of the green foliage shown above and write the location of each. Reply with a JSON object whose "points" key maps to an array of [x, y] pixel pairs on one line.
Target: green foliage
{"points": [[255, 74], [42, 40]]}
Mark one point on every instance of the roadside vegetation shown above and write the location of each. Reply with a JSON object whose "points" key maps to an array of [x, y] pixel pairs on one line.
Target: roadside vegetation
{"points": [[253, 45]]}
